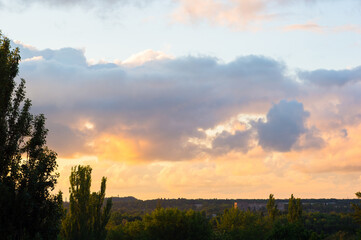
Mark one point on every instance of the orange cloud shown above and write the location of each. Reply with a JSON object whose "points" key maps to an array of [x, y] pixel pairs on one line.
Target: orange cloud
{"points": [[341, 155], [120, 148], [333, 171]]}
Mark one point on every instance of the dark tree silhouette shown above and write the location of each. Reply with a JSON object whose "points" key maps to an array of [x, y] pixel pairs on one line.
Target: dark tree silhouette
{"points": [[28, 209]]}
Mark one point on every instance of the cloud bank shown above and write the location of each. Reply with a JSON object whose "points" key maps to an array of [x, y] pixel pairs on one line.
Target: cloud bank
{"points": [[161, 124], [157, 106], [154, 107]]}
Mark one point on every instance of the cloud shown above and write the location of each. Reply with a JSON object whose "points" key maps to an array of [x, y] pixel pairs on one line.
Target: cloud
{"points": [[314, 27], [133, 124], [310, 26], [86, 3], [240, 141], [237, 14], [311, 139], [328, 78], [344, 132], [285, 124], [340, 155], [145, 56], [149, 112], [348, 28], [158, 105], [38, 58], [283, 130]]}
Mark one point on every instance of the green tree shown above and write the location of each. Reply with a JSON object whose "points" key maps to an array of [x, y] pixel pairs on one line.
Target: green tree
{"points": [[128, 231], [238, 224], [28, 209], [289, 231], [294, 210], [86, 218], [175, 224], [272, 209], [357, 209]]}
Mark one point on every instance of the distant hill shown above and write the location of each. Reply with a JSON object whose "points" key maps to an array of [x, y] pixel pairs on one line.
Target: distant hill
{"points": [[132, 205], [123, 199]]}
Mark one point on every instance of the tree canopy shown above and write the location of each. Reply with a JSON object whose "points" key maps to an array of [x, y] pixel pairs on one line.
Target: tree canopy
{"points": [[86, 219], [28, 209]]}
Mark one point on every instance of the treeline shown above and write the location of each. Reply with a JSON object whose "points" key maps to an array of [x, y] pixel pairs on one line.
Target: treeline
{"points": [[135, 206], [234, 223]]}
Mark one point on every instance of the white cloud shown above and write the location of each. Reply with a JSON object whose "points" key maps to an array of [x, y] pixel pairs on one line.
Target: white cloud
{"points": [[145, 56], [36, 58]]}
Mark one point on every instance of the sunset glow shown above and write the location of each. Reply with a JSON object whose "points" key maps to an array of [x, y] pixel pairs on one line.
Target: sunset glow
{"points": [[197, 99]]}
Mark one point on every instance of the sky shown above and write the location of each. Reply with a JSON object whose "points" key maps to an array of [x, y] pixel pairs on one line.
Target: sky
{"points": [[197, 98]]}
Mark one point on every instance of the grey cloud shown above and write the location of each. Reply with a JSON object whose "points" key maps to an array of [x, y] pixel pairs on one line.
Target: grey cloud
{"points": [[67, 56], [240, 141], [285, 124], [326, 78], [283, 131], [344, 132], [311, 139], [66, 140], [162, 102]]}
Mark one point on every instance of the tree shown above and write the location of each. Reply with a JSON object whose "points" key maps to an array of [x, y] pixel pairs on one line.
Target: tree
{"points": [[357, 209], [272, 207], [238, 224], [28, 209], [86, 219], [172, 223], [294, 210]]}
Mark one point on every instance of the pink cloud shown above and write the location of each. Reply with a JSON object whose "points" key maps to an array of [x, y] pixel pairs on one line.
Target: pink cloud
{"points": [[314, 27], [238, 14], [348, 28], [310, 26]]}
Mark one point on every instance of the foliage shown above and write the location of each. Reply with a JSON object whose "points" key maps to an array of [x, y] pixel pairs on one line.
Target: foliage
{"points": [[117, 218], [28, 208], [357, 209], [272, 208], [165, 224], [322, 223], [233, 224], [294, 210], [86, 219], [289, 231], [175, 224], [238, 224]]}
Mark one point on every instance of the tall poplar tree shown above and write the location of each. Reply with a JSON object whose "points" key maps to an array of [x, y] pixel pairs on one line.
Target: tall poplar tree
{"points": [[86, 218], [294, 210], [272, 207], [28, 209]]}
